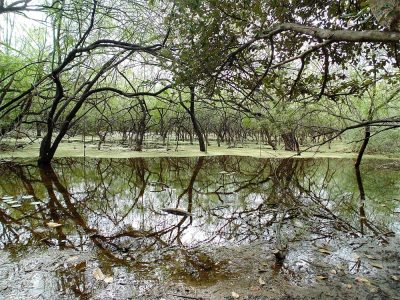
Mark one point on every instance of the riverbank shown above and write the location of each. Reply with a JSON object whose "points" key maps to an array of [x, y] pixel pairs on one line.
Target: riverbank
{"points": [[75, 148]]}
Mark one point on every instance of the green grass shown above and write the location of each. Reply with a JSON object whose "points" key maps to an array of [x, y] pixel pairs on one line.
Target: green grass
{"points": [[75, 148]]}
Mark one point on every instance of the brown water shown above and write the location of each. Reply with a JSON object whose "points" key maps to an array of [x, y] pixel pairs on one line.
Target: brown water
{"points": [[199, 228]]}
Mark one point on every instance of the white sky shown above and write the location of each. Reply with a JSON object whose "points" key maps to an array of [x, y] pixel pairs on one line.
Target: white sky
{"points": [[14, 27]]}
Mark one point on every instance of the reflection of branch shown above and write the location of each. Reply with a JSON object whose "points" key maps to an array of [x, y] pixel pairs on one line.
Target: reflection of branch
{"points": [[280, 249], [362, 199], [363, 217]]}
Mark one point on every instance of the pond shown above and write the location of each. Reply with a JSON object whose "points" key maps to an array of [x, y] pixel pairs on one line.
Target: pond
{"points": [[199, 228]]}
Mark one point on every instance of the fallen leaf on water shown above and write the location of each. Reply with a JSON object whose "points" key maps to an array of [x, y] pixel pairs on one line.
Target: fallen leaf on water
{"points": [[334, 272], [362, 280], [378, 266], [395, 278], [80, 266], [370, 257], [98, 274], [349, 286], [235, 295], [53, 224], [72, 258], [320, 277], [262, 270], [261, 281], [324, 251], [255, 288]]}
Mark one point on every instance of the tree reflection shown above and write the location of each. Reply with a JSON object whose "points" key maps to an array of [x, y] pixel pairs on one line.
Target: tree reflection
{"points": [[116, 207], [364, 222]]}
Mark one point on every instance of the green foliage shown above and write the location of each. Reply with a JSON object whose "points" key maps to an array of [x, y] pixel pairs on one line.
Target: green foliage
{"points": [[247, 80], [385, 142]]}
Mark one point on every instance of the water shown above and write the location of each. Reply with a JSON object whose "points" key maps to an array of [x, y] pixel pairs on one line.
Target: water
{"points": [[61, 223]]}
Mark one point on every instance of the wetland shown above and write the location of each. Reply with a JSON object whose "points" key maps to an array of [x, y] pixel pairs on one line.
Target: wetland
{"points": [[222, 227]]}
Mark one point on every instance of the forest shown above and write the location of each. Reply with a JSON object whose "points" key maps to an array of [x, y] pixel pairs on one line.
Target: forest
{"points": [[144, 73], [209, 149]]}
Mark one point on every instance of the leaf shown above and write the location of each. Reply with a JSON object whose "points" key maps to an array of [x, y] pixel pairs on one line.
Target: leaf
{"points": [[321, 277], [235, 295], [370, 257], [255, 288], [362, 280], [324, 251], [261, 281], [72, 258], [334, 272], [377, 265], [53, 224], [80, 266], [349, 286], [395, 278], [98, 274]]}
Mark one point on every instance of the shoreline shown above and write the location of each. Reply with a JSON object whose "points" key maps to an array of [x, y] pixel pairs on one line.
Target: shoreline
{"points": [[76, 150]]}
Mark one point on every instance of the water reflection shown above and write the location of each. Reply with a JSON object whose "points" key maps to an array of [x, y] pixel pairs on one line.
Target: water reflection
{"points": [[117, 207]]}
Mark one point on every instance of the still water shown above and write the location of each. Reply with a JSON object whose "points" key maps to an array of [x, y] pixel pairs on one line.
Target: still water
{"points": [[141, 221]]}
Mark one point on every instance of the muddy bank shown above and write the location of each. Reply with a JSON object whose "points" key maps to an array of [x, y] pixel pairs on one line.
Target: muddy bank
{"points": [[369, 272]]}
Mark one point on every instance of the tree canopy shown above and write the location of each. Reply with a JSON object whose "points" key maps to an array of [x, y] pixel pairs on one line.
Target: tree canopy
{"points": [[287, 65]]}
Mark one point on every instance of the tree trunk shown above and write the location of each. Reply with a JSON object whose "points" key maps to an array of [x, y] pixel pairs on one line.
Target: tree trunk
{"points": [[139, 137], [363, 146], [46, 152], [141, 128], [102, 139], [269, 140], [195, 123], [290, 141], [38, 130]]}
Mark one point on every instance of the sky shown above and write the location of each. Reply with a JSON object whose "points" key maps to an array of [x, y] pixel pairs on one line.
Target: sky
{"points": [[15, 27]]}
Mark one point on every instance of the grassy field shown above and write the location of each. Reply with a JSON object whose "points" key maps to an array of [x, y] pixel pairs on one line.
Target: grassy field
{"points": [[75, 148]]}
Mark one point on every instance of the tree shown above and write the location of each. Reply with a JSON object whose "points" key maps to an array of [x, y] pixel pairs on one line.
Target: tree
{"points": [[85, 63], [191, 111], [18, 6], [306, 46]]}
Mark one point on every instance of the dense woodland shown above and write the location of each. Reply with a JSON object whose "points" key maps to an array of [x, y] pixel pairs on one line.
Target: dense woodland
{"points": [[287, 74]]}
